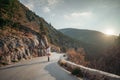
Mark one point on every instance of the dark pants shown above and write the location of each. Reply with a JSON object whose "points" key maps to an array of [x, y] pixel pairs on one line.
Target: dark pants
{"points": [[48, 58]]}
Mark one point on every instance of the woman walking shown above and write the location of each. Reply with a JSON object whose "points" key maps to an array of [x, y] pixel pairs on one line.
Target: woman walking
{"points": [[48, 53]]}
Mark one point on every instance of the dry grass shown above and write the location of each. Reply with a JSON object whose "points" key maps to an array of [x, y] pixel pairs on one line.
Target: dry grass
{"points": [[77, 57]]}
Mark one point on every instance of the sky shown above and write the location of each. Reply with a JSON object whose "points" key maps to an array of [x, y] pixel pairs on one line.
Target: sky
{"points": [[99, 15]]}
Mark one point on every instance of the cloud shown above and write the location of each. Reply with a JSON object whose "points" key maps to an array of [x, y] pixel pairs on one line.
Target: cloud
{"points": [[81, 14], [53, 15], [43, 5], [78, 15], [46, 9], [52, 2], [30, 6]]}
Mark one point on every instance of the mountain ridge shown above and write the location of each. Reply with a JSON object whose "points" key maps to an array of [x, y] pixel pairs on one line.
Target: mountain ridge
{"points": [[21, 31], [88, 36], [98, 42]]}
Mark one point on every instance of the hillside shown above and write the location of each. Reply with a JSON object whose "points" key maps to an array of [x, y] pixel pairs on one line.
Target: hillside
{"points": [[90, 37], [21, 33], [107, 47]]}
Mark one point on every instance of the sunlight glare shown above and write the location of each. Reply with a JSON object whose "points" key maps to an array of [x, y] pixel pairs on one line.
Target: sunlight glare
{"points": [[109, 32]]}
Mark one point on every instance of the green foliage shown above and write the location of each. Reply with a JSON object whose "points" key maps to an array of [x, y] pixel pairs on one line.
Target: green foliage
{"points": [[8, 23], [43, 29], [77, 72], [64, 49], [8, 7], [14, 61], [4, 22], [4, 2], [4, 63], [16, 25], [8, 3], [118, 41], [30, 15]]}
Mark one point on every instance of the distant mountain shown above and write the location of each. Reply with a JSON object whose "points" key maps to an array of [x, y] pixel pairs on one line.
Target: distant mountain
{"points": [[97, 43], [90, 36]]}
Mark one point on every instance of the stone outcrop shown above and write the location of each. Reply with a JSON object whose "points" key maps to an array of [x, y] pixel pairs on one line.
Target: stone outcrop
{"points": [[14, 48], [21, 34]]}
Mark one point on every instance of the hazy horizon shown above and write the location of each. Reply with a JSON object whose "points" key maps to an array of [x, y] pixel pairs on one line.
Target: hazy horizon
{"points": [[99, 15]]}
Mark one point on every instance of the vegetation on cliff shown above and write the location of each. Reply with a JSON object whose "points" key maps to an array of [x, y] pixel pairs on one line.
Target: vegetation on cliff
{"points": [[21, 33]]}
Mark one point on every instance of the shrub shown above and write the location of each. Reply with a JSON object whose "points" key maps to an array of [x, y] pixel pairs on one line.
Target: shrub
{"points": [[77, 56], [14, 61], [62, 63], [77, 72], [4, 63]]}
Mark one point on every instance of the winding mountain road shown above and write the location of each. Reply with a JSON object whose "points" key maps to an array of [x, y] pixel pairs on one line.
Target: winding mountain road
{"points": [[36, 69]]}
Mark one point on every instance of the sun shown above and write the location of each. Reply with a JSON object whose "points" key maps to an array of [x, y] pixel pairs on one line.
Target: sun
{"points": [[109, 32]]}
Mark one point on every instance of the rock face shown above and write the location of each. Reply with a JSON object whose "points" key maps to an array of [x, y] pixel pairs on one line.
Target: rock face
{"points": [[21, 34], [14, 48]]}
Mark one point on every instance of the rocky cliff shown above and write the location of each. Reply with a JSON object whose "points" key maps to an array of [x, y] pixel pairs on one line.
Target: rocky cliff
{"points": [[23, 34]]}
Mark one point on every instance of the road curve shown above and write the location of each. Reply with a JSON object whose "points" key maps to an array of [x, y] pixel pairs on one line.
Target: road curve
{"points": [[36, 69]]}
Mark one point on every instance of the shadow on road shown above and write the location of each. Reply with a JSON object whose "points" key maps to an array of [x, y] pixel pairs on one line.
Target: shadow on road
{"points": [[58, 73], [20, 65]]}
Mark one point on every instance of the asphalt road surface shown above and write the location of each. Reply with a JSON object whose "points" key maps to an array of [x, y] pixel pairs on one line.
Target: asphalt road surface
{"points": [[36, 69]]}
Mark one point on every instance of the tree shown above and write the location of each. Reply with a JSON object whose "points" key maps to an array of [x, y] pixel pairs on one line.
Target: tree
{"points": [[77, 56], [43, 30], [118, 41]]}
